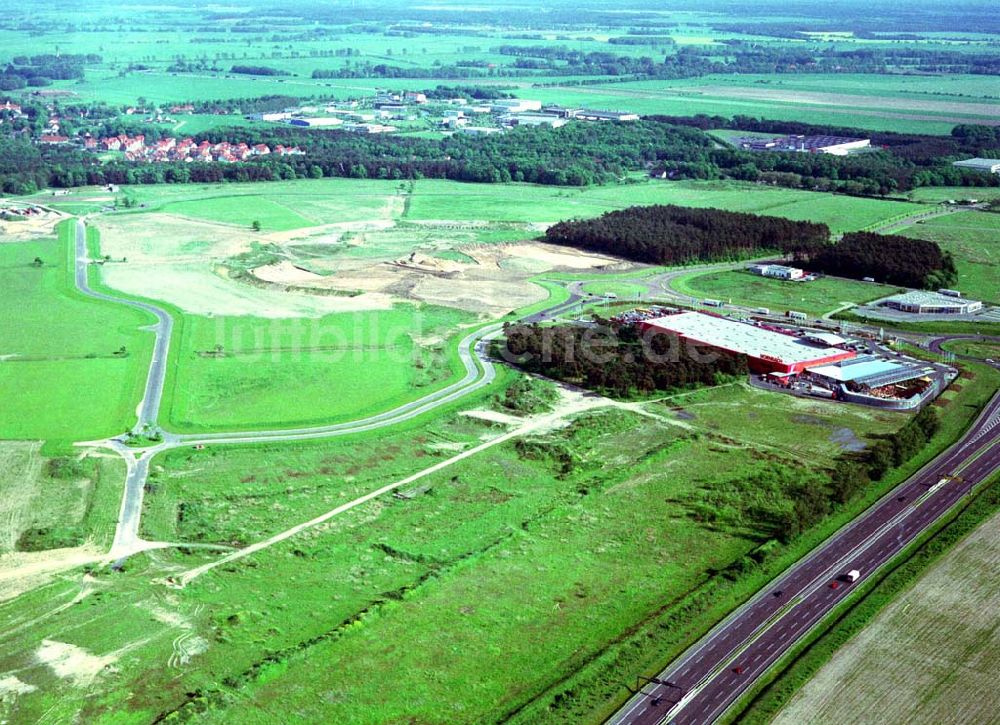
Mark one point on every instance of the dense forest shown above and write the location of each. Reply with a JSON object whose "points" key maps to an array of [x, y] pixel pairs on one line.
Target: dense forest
{"points": [[888, 258], [41, 70], [614, 359], [679, 235], [574, 155]]}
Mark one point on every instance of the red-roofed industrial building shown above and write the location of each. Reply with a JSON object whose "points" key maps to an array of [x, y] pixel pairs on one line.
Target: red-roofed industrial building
{"points": [[767, 351]]}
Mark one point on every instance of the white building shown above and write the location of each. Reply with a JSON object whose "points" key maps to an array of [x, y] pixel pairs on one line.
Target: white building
{"points": [[480, 130], [932, 303], [990, 165], [778, 271], [516, 105]]}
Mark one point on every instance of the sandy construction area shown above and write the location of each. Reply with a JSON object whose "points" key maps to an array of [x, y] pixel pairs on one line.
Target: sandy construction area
{"points": [[930, 657], [183, 261], [39, 224], [200, 290], [156, 237]]}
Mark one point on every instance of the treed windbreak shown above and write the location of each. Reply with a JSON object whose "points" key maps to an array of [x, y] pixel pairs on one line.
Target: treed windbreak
{"points": [[668, 234]]}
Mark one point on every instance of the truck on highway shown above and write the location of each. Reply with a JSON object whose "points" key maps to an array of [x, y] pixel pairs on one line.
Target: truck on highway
{"points": [[852, 576]]}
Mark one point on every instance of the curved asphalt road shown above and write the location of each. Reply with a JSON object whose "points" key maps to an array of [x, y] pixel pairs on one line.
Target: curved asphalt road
{"points": [[150, 406], [712, 674], [479, 372]]}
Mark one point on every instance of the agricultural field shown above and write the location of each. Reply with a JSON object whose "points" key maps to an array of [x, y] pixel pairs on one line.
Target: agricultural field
{"points": [[521, 202], [454, 552], [855, 101], [72, 368], [973, 237], [815, 298], [928, 657]]}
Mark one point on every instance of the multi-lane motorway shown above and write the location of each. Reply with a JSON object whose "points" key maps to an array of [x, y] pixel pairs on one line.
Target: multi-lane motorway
{"points": [[712, 674]]}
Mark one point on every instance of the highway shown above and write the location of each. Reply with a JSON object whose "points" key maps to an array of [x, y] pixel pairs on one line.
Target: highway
{"points": [[712, 674]]}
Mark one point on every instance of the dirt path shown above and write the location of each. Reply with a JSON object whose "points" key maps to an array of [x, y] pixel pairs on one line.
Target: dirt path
{"points": [[570, 407]]}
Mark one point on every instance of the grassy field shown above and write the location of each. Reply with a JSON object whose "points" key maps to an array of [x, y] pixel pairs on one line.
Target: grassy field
{"points": [[624, 290], [928, 657], [48, 503], [61, 378], [814, 298], [973, 237], [433, 199], [495, 547], [246, 372], [982, 350]]}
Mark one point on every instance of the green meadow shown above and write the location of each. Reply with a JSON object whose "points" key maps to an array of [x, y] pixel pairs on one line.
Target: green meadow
{"points": [[253, 373], [973, 237], [63, 377], [814, 298]]}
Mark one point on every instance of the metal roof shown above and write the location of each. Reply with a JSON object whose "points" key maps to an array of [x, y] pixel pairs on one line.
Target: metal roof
{"points": [[741, 337], [869, 370]]}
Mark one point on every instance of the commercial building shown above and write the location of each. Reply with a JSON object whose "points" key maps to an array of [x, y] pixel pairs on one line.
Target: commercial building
{"points": [[835, 145], [766, 350], [989, 165], [516, 105], [778, 271], [533, 119], [316, 122], [480, 130], [872, 380], [931, 303]]}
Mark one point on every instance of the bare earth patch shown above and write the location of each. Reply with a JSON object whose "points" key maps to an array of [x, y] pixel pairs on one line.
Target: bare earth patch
{"points": [[28, 227], [70, 662]]}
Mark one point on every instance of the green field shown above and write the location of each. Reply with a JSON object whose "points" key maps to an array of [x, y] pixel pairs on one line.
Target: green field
{"points": [[48, 503], [623, 290], [246, 372], [61, 379], [498, 545], [973, 237], [433, 199], [815, 298], [972, 348]]}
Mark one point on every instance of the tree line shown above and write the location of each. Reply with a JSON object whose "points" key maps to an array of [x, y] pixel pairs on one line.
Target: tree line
{"points": [[614, 359], [891, 259], [41, 70], [669, 235], [852, 473]]}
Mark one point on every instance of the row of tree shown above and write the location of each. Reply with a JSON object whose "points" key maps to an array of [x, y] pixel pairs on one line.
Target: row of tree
{"points": [[667, 234]]}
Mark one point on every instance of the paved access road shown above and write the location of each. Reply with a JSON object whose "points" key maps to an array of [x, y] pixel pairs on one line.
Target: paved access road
{"points": [[150, 405], [701, 684], [479, 372]]}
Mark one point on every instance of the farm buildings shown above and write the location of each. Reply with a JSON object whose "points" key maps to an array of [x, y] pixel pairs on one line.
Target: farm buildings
{"points": [[766, 350]]}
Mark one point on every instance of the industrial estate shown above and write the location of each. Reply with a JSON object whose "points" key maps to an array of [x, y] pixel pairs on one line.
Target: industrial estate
{"points": [[491, 363]]}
